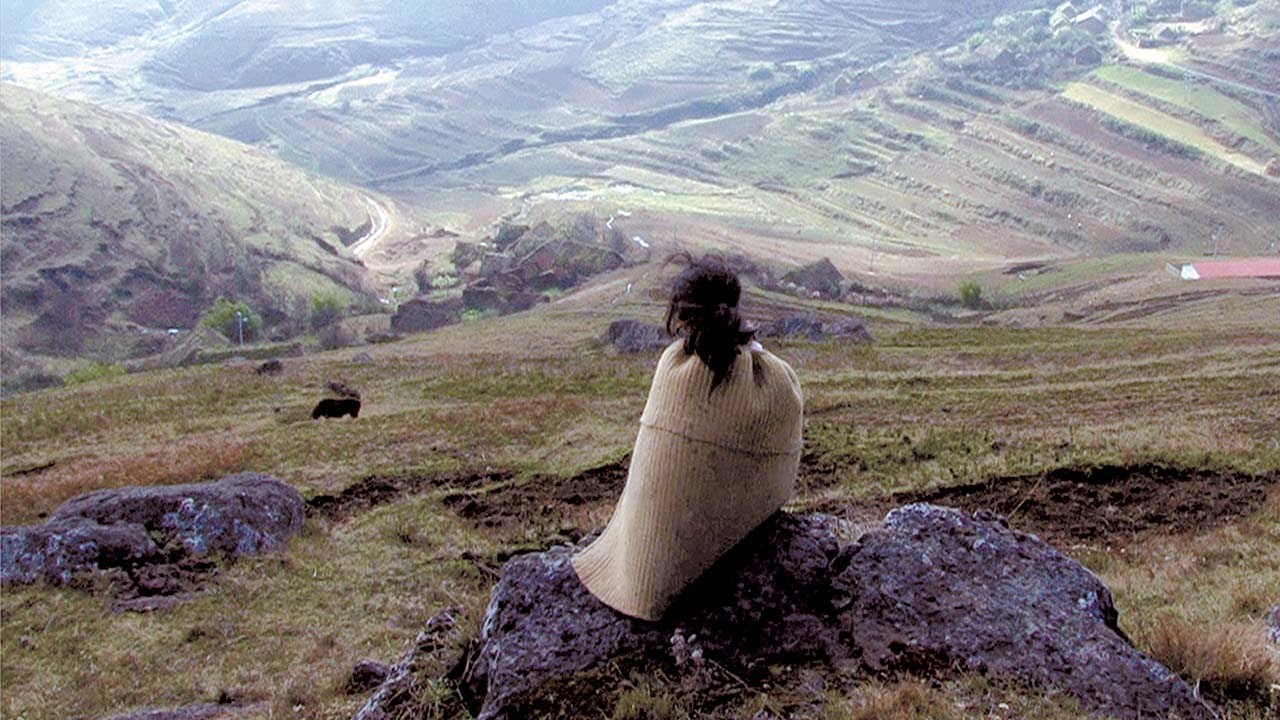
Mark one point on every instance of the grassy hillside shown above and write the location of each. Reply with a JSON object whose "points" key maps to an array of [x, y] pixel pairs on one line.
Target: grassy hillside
{"points": [[509, 413], [117, 227]]}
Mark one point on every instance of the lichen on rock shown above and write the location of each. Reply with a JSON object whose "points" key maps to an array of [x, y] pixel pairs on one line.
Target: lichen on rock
{"points": [[152, 540]]}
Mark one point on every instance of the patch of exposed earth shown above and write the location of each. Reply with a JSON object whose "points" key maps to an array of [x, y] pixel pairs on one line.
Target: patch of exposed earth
{"points": [[376, 490], [1101, 505], [541, 501]]}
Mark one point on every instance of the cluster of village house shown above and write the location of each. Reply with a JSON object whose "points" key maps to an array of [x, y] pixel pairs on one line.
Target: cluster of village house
{"points": [[1066, 17], [1176, 18]]}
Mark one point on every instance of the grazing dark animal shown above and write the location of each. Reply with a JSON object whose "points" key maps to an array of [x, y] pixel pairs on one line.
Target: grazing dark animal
{"points": [[271, 367], [342, 389], [336, 408]]}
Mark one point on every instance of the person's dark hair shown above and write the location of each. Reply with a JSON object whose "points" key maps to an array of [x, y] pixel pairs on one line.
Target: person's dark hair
{"points": [[704, 309]]}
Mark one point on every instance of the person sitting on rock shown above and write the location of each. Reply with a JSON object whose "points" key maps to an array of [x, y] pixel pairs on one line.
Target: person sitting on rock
{"points": [[717, 452]]}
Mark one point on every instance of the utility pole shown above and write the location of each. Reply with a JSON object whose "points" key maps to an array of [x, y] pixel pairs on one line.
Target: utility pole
{"points": [[240, 318]]}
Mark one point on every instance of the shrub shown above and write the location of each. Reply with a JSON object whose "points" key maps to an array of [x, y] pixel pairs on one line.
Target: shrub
{"points": [[334, 336], [473, 314], [90, 371], [971, 295], [443, 281], [325, 309], [222, 317]]}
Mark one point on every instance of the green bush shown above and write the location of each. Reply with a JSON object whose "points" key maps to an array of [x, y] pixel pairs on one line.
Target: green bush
{"points": [[326, 309], [473, 314], [90, 371], [971, 295], [222, 317]]}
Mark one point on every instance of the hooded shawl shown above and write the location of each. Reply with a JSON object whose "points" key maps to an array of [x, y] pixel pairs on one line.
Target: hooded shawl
{"points": [[708, 467]]}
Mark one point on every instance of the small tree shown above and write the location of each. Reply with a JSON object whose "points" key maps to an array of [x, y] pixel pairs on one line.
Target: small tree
{"points": [[90, 371], [325, 310], [971, 295], [223, 318]]}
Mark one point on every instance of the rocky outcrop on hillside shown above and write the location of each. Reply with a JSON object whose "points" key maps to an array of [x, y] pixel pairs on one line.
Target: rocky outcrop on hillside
{"points": [[820, 277], [813, 328], [634, 336], [421, 314], [152, 541], [511, 271], [932, 590]]}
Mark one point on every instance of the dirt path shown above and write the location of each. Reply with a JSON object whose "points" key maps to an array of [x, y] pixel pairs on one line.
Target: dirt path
{"points": [[379, 223]]}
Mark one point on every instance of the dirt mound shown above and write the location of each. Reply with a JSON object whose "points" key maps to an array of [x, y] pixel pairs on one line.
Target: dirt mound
{"points": [[541, 500], [1111, 503], [377, 490]]}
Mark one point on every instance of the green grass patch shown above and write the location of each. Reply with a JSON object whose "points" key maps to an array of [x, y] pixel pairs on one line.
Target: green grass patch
{"points": [[1196, 97]]}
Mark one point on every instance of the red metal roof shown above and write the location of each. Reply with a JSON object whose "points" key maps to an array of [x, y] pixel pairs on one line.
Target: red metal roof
{"points": [[1246, 268]]}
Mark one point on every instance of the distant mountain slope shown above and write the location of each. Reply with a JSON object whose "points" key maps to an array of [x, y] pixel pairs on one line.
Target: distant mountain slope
{"points": [[910, 141], [1020, 145], [388, 90], [114, 224]]}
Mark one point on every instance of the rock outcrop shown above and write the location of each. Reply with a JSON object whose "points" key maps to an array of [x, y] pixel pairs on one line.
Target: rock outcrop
{"points": [[821, 277], [634, 336], [400, 686], [421, 314], [851, 329], [149, 541], [931, 590]]}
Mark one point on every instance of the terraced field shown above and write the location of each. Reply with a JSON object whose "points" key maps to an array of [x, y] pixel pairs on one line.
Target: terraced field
{"points": [[866, 132]]}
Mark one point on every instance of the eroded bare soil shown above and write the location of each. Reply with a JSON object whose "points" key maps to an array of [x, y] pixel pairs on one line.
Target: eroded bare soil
{"points": [[377, 490], [1101, 505], [1111, 504], [541, 500]]}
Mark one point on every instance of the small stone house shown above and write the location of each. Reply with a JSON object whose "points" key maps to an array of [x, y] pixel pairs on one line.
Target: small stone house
{"points": [[995, 55], [1093, 22], [1088, 55]]}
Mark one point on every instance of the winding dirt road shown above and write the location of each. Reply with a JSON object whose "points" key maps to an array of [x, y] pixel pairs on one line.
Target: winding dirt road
{"points": [[379, 222]]}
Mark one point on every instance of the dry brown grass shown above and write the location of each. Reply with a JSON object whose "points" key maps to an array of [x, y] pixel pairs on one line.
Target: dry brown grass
{"points": [[203, 457], [903, 701], [1226, 660]]}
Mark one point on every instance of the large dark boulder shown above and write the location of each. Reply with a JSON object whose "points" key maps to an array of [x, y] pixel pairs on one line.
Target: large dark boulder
{"points": [[58, 551], [421, 314], [502, 298], [147, 540], [821, 277], [812, 328], [634, 336], [936, 586], [930, 591]]}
